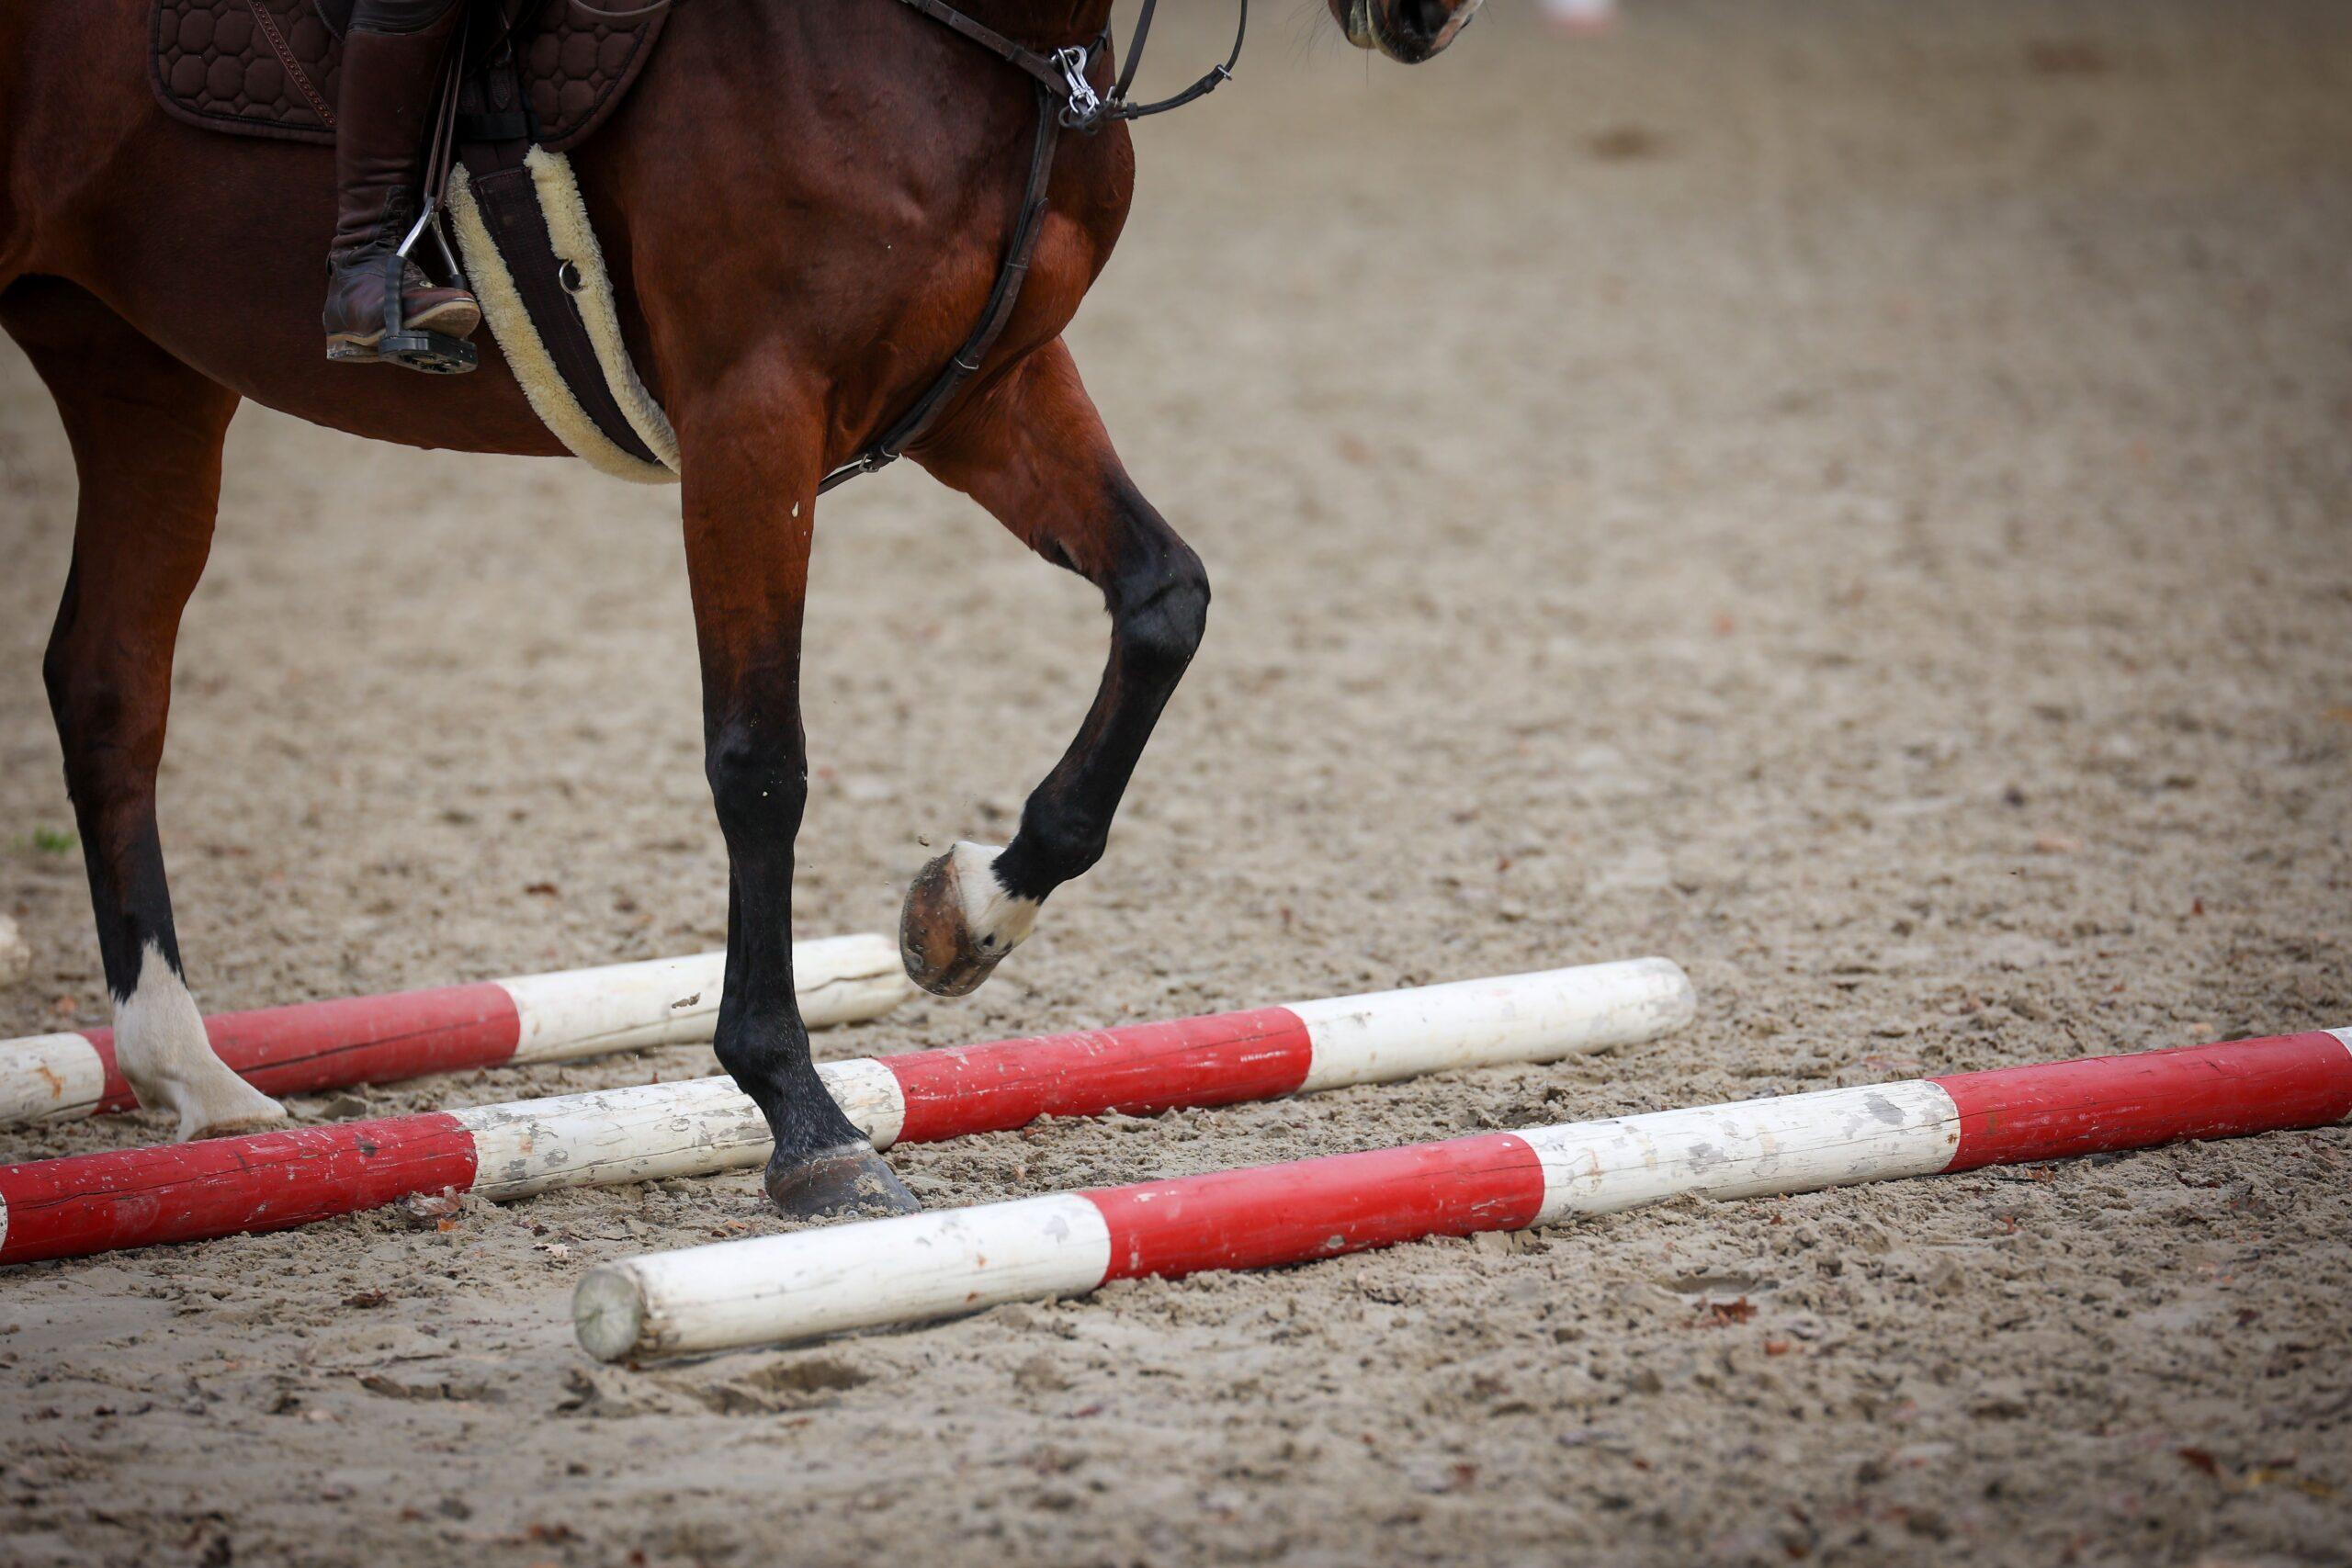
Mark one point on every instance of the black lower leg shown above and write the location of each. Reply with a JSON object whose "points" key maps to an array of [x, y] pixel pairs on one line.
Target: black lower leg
{"points": [[1159, 598], [112, 740], [752, 459], [822, 1163], [759, 786]]}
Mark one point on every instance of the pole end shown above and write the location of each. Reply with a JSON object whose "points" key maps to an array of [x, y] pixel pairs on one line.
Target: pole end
{"points": [[608, 1312]]}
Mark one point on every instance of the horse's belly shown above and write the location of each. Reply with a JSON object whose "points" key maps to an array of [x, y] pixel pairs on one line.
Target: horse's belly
{"points": [[232, 284]]}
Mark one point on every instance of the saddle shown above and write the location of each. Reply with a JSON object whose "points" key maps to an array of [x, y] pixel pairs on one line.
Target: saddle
{"points": [[539, 77]]}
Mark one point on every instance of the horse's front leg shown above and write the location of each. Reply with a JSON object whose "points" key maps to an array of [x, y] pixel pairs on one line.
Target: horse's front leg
{"points": [[751, 461], [1035, 453]]}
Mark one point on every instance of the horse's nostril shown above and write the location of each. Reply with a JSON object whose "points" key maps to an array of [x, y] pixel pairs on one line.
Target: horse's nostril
{"points": [[1422, 20]]}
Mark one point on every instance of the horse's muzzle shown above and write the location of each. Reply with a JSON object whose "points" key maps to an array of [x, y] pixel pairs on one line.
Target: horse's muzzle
{"points": [[1407, 30]]}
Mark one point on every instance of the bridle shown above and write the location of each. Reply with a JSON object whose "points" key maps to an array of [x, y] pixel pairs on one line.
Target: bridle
{"points": [[1067, 101]]}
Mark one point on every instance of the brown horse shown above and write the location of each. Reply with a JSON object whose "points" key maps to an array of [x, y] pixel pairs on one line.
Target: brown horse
{"points": [[155, 273]]}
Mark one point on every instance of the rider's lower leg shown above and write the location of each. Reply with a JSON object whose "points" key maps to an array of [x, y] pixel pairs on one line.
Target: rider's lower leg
{"points": [[381, 306]]}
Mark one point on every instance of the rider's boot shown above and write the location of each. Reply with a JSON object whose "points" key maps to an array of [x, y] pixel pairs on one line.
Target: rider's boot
{"points": [[380, 305]]}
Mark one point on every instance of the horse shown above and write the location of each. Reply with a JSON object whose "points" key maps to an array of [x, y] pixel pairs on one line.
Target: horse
{"points": [[805, 208]]}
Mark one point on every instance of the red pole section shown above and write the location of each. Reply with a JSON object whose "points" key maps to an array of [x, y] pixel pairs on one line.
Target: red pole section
{"points": [[1138, 1070], [2013, 1115], [932, 1265], [266, 1182], [1240, 1219]]}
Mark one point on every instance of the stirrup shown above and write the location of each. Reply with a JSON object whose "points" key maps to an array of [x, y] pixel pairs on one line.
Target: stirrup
{"points": [[435, 354]]}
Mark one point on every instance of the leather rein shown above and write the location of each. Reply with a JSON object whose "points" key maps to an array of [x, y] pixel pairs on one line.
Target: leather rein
{"points": [[1066, 101]]}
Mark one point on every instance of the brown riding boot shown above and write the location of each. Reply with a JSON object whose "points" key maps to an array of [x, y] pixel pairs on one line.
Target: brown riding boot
{"points": [[381, 307]]}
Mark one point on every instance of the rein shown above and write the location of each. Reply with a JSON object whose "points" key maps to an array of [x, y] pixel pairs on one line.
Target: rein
{"points": [[1067, 101]]}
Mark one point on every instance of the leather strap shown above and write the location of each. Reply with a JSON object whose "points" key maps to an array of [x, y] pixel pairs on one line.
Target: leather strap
{"points": [[1048, 68], [1122, 108], [1037, 65]]}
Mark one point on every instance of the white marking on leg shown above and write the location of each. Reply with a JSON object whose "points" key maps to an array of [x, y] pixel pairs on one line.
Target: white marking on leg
{"points": [[998, 921], [160, 1044]]}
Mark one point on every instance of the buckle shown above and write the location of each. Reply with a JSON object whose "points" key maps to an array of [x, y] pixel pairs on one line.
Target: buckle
{"points": [[1082, 105]]}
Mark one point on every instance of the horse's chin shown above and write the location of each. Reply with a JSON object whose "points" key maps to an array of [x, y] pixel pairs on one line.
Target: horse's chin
{"points": [[1369, 26]]}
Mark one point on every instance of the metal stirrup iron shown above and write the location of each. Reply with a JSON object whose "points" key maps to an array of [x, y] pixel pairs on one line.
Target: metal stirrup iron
{"points": [[1067, 101]]}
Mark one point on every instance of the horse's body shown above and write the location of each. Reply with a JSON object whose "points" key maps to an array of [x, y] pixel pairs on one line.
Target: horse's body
{"points": [[804, 207], [840, 176]]}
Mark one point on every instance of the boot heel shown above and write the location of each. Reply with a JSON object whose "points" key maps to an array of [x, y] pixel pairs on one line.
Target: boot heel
{"points": [[435, 354]]}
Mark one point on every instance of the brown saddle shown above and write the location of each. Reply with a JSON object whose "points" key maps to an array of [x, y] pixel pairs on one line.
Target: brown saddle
{"points": [[539, 77], [268, 67]]}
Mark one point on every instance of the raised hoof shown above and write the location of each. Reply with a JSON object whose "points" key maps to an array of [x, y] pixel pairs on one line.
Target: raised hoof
{"points": [[959, 923], [836, 1184]]}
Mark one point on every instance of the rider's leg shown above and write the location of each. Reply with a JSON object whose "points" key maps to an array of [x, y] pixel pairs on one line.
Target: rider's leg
{"points": [[391, 58]]}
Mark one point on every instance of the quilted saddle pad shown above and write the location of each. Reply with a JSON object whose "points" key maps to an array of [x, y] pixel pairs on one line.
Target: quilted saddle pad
{"points": [[269, 67]]}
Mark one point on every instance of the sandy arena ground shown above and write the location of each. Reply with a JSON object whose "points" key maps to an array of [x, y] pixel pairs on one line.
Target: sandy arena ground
{"points": [[1857, 499]]}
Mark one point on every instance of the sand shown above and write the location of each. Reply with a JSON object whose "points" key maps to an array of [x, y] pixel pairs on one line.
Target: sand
{"points": [[1854, 499]]}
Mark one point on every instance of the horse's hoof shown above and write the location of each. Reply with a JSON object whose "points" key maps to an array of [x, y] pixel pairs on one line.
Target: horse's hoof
{"points": [[213, 1102], [238, 1126], [160, 1044], [226, 1106], [959, 922], [836, 1183]]}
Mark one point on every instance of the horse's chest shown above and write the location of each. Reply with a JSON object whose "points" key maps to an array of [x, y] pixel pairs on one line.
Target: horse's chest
{"points": [[1092, 192]]}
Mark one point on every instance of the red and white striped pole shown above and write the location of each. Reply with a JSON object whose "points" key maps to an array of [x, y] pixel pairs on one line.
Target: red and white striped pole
{"points": [[531, 1017], [100, 1203], [812, 1283]]}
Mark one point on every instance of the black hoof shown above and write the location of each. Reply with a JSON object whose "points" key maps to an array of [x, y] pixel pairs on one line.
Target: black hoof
{"points": [[836, 1184]]}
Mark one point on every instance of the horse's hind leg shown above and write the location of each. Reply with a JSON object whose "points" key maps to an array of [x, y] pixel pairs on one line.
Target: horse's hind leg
{"points": [[146, 434], [1036, 454]]}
